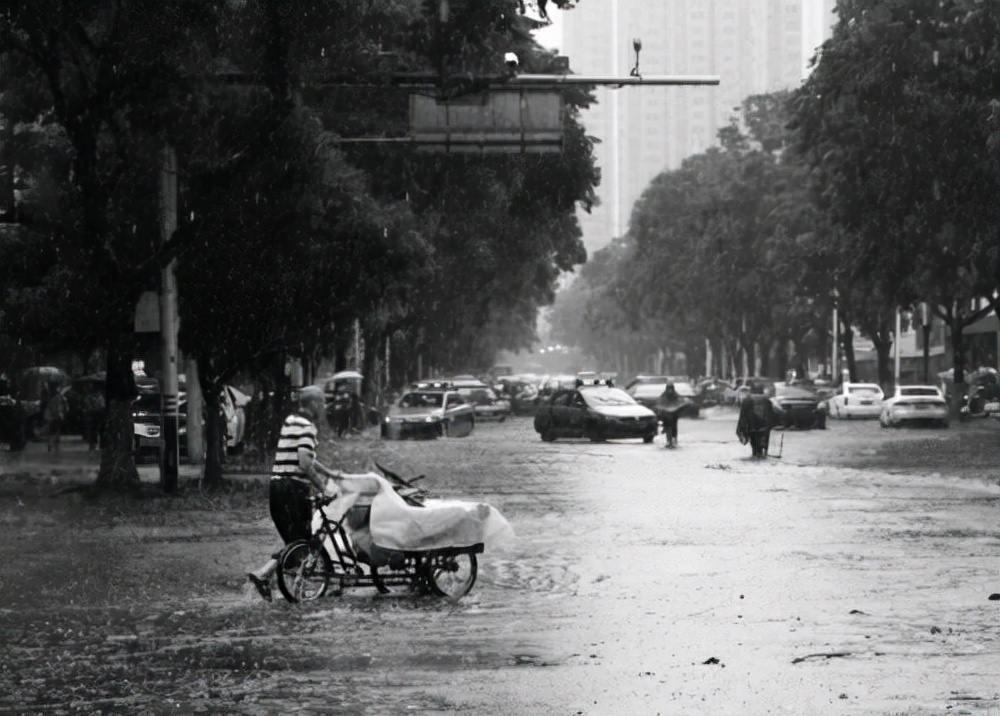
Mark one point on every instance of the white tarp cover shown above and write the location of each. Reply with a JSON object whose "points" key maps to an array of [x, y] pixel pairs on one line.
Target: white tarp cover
{"points": [[397, 525]]}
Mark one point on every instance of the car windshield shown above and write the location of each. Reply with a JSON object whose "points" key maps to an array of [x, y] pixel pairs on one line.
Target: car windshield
{"points": [[604, 397], [684, 389], [648, 390], [919, 391], [792, 391], [863, 389], [421, 399]]}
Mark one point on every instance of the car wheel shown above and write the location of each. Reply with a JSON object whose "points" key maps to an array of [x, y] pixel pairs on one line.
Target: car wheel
{"points": [[647, 439], [549, 435]]}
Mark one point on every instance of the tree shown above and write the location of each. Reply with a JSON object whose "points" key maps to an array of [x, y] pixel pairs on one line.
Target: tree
{"points": [[106, 79], [896, 120]]}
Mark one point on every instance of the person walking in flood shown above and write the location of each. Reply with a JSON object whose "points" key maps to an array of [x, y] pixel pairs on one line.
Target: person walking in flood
{"points": [[758, 417], [668, 410]]}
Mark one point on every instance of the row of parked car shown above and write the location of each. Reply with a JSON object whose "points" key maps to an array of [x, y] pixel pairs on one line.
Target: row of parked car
{"points": [[22, 409], [444, 407]]}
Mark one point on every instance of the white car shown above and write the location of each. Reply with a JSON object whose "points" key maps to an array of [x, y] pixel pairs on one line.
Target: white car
{"points": [[914, 404], [856, 400]]}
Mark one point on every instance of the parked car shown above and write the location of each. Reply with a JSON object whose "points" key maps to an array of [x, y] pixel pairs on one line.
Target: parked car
{"points": [[594, 412], [819, 387], [982, 398], [31, 386], [647, 394], [914, 404], [855, 400], [12, 437], [433, 410], [799, 407], [485, 402], [234, 408], [147, 418]]}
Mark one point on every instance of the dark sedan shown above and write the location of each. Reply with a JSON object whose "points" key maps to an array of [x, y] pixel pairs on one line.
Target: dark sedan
{"points": [[799, 407], [648, 394], [594, 412]]}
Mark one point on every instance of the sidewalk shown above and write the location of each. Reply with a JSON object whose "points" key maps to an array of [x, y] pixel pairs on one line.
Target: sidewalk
{"points": [[74, 462]]}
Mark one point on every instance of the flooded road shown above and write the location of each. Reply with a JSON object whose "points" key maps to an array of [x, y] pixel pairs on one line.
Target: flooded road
{"points": [[641, 581]]}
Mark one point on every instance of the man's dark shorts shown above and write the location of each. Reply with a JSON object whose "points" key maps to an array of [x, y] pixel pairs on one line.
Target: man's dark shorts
{"points": [[290, 509]]}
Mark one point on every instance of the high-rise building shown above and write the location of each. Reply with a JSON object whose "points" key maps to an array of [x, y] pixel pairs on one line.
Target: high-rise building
{"points": [[754, 46]]}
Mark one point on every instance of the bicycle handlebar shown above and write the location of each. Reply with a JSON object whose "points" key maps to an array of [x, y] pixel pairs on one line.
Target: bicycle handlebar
{"points": [[322, 500]]}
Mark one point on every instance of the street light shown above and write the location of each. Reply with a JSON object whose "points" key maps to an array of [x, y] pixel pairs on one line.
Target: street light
{"points": [[925, 320]]}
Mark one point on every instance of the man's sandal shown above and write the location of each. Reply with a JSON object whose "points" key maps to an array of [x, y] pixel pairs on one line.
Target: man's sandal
{"points": [[263, 586]]}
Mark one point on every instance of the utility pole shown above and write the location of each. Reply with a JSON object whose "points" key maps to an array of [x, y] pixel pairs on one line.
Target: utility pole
{"points": [[899, 326], [170, 452], [835, 351]]}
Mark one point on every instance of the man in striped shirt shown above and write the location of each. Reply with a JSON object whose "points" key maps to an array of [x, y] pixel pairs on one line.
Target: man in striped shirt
{"points": [[295, 474]]}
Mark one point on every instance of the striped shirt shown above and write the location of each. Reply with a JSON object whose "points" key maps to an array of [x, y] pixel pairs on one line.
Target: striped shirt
{"points": [[297, 433]]}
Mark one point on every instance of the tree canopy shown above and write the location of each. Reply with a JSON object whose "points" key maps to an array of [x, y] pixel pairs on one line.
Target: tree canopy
{"points": [[286, 235]]}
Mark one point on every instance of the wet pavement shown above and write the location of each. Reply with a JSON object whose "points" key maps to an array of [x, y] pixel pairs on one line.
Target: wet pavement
{"points": [[641, 581]]}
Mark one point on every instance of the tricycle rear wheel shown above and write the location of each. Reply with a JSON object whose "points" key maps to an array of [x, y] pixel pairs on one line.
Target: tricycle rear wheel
{"points": [[450, 575], [304, 571]]}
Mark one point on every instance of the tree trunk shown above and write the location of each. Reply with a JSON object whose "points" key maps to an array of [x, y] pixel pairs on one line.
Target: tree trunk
{"points": [[885, 372], [374, 341], [958, 348], [848, 342], [214, 434], [117, 470], [750, 348]]}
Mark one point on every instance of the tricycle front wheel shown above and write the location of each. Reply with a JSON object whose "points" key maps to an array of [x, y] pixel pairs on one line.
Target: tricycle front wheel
{"points": [[304, 571], [450, 575]]}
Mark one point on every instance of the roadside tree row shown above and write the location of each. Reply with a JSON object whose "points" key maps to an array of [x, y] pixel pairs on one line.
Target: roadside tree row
{"points": [[871, 188]]}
